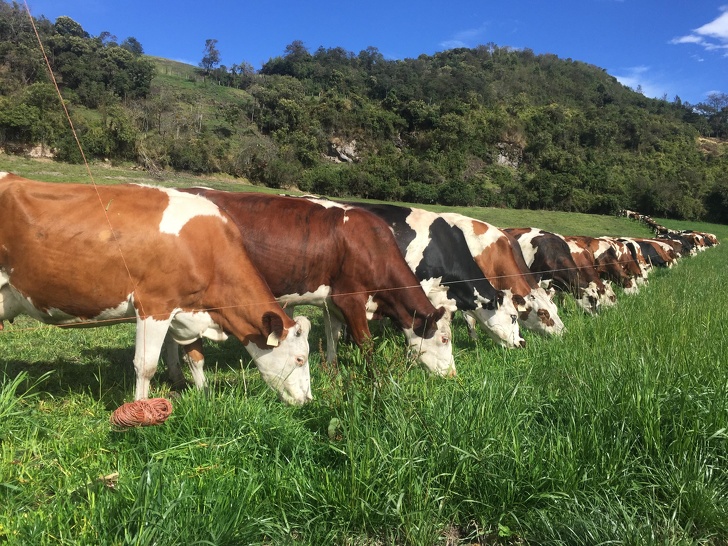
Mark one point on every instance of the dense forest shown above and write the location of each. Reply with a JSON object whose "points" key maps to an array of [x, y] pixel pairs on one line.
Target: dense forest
{"points": [[488, 126]]}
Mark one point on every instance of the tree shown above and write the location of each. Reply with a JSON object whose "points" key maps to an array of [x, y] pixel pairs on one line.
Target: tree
{"points": [[132, 45], [66, 26], [212, 56], [106, 38]]}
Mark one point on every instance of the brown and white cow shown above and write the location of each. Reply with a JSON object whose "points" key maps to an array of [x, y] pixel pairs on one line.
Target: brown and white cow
{"points": [[548, 255], [340, 258], [628, 260], [500, 258], [585, 260], [636, 251], [600, 254], [656, 253], [439, 255], [681, 245], [709, 239], [75, 255]]}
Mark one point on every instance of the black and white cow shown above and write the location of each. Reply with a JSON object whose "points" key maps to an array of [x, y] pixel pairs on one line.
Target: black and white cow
{"points": [[549, 255], [437, 251]]}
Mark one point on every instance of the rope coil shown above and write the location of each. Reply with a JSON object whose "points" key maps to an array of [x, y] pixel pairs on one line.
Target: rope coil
{"points": [[141, 413]]}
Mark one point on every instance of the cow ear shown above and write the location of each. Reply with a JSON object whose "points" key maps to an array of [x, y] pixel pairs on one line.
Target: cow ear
{"points": [[437, 315], [427, 326], [546, 284], [273, 326]]}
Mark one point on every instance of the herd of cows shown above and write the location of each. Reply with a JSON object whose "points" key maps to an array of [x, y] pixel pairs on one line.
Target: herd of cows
{"points": [[198, 263]]}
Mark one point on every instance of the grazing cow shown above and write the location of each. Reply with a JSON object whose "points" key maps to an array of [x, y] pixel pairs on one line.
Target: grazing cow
{"points": [[692, 241], [499, 256], [628, 261], [636, 253], [668, 251], [585, 260], [655, 252], [708, 238], [683, 245], [600, 254], [75, 255], [438, 253], [317, 252], [549, 255]]}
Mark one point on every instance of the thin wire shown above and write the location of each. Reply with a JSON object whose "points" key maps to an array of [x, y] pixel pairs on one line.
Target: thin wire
{"points": [[137, 298], [83, 156], [277, 301]]}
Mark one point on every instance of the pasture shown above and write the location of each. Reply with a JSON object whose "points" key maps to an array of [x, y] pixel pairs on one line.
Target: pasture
{"points": [[615, 433]]}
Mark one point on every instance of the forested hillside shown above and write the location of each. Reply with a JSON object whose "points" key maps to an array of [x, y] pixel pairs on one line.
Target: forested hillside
{"points": [[488, 126]]}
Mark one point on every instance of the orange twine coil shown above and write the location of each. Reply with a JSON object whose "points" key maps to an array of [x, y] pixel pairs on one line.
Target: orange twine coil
{"points": [[152, 411]]}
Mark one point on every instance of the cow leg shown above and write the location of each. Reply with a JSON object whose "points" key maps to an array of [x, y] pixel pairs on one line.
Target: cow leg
{"points": [[333, 326], [354, 312], [471, 324], [149, 340], [194, 357], [174, 371], [196, 361]]}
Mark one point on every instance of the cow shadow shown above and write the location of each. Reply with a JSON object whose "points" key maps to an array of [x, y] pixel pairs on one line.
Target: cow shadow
{"points": [[107, 374], [107, 377]]}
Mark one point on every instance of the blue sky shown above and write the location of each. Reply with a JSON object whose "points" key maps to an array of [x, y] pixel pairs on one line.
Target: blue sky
{"points": [[668, 47]]}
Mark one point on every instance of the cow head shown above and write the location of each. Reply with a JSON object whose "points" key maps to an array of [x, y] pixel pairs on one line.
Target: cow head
{"points": [[631, 287], [590, 300], [283, 361], [430, 338], [607, 297], [542, 315], [499, 319]]}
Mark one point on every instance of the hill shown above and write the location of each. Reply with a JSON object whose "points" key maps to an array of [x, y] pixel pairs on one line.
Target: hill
{"points": [[487, 126]]}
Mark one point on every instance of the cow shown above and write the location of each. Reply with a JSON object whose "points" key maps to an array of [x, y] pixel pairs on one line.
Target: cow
{"points": [[600, 254], [500, 258], [692, 241], [708, 238], [548, 255], [585, 260], [683, 245], [655, 252], [438, 252], [629, 263], [80, 255], [636, 252], [343, 259], [669, 252]]}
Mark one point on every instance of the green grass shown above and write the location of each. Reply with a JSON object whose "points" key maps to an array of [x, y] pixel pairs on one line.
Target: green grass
{"points": [[616, 433]]}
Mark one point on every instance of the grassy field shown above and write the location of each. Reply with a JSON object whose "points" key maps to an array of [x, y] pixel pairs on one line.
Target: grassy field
{"points": [[615, 433]]}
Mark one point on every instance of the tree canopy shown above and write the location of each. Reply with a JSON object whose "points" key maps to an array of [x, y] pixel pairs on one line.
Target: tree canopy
{"points": [[490, 126]]}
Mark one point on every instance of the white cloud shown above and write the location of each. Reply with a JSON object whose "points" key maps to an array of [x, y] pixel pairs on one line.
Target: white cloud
{"points": [[452, 44], [717, 29], [712, 36], [639, 77], [465, 38], [691, 39]]}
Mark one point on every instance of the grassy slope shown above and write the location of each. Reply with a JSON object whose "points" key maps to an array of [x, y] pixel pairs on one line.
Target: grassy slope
{"points": [[615, 432]]}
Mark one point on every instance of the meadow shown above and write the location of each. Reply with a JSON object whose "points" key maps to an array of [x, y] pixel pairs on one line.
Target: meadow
{"points": [[615, 433]]}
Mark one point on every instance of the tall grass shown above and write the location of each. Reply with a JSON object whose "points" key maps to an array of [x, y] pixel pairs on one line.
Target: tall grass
{"points": [[616, 433]]}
